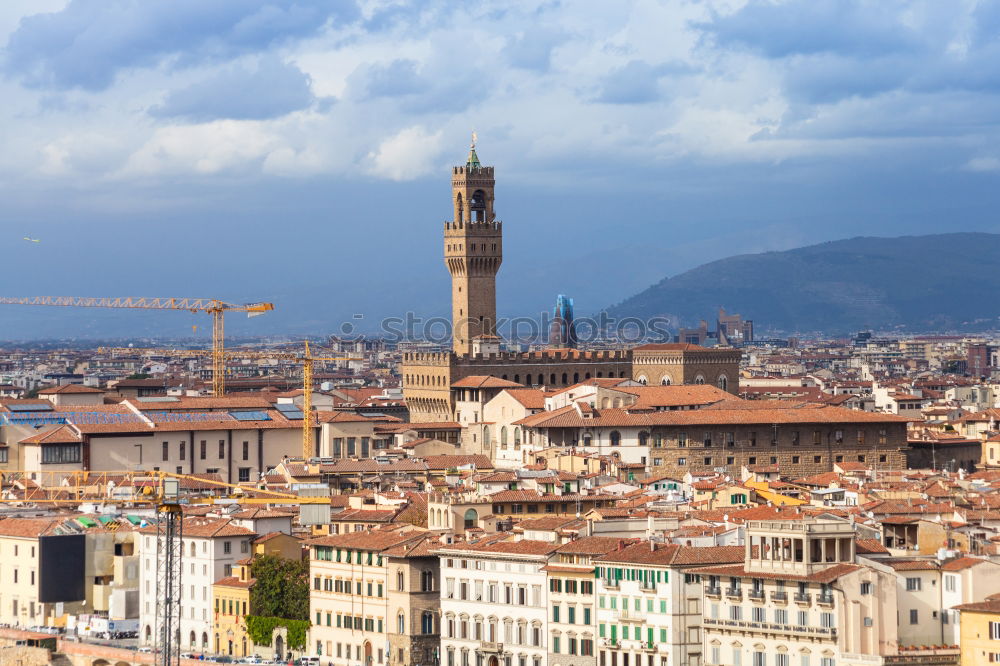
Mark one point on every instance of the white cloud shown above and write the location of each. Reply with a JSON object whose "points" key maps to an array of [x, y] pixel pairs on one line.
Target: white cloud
{"points": [[211, 148], [408, 155], [983, 164]]}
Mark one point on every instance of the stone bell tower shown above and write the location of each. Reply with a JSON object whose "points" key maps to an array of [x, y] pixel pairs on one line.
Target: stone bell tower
{"points": [[473, 250]]}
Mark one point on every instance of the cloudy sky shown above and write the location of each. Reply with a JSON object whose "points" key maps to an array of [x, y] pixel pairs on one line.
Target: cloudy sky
{"points": [[298, 150]]}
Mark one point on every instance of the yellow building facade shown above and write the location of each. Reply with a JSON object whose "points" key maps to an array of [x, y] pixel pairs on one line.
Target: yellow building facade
{"points": [[980, 632]]}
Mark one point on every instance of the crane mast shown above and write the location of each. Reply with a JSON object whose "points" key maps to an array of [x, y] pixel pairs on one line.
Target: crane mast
{"points": [[213, 306]]}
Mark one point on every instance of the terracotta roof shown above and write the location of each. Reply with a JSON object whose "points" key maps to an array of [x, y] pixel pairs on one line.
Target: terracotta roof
{"points": [[233, 581], [270, 536], [870, 547], [448, 461], [568, 417], [671, 554], [523, 547], [373, 540], [531, 398], [960, 563], [69, 389], [484, 381], [28, 528], [208, 528], [827, 575], [912, 565], [60, 435], [988, 606]]}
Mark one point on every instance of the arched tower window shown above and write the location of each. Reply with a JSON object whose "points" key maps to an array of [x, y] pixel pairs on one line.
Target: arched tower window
{"points": [[616, 438], [723, 382], [477, 207], [503, 436]]}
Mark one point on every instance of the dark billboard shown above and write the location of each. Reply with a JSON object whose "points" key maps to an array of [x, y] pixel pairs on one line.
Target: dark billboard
{"points": [[61, 574]]}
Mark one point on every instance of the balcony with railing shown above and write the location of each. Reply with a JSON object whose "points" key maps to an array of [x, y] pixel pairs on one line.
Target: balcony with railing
{"points": [[649, 646], [779, 597], [825, 599], [490, 647], [714, 592], [756, 595], [769, 627], [734, 593], [803, 599], [626, 615]]}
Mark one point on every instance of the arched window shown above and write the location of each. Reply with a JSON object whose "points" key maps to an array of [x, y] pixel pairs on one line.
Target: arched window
{"points": [[486, 435], [643, 438], [605, 402], [517, 436], [723, 382], [615, 437], [400, 580], [587, 376], [503, 436], [471, 518], [400, 623], [700, 379], [576, 377], [427, 623], [600, 374], [204, 641], [541, 379], [192, 549], [193, 642], [665, 380], [642, 380], [587, 439], [565, 377], [517, 378], [552, 379], [427, 582]]}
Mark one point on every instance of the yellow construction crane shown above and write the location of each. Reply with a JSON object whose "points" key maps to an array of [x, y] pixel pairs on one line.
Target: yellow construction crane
{"points": [[161, 491], [214, 307], [306, 359]]}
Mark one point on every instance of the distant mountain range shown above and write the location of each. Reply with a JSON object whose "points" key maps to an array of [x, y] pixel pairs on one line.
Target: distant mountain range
{"points": [[913, 283]]}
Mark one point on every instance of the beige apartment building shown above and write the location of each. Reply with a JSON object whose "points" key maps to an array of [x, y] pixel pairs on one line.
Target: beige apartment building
{"points": [[42, 570], [799, 598], [349, 597], [414, 601]]}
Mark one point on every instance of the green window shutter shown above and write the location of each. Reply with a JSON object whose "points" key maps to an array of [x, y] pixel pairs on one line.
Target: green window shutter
{"points": [[600, 630], [649, 634], [624, 632], [663, 606], [663, 635]]}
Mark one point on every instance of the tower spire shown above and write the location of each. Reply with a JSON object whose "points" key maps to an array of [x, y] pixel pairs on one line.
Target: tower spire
{"points": [[473, 159]]}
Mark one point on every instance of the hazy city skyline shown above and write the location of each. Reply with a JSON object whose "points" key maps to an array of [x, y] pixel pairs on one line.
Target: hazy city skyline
{"points": [[299, 153]]}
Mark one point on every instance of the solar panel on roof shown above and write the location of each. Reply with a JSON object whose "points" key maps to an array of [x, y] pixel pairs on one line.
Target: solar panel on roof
{"points": [[290, 411], [40, 407], [250, 416]]}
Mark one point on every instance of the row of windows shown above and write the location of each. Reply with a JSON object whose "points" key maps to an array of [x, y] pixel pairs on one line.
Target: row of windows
{"points": [[728, 439], [60, 453], [230, 607], [330, 554], [344, 650], [518, 633], [203, 450], [355, 622], [570, 616], [340, 586], [614, 603], [582, 646], [571, 586], [348, 446], [492, 593], [773, 460], [463, 659]]}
